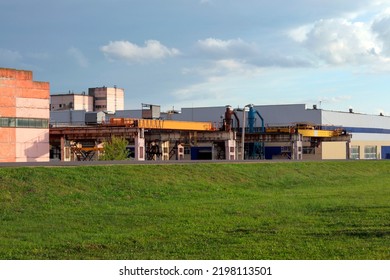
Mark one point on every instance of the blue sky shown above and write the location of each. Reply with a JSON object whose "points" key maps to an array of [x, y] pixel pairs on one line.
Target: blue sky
{"points": [[194, 53]]}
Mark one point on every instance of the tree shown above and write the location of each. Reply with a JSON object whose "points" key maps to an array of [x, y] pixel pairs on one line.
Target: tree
{"points": [[115, 149]]}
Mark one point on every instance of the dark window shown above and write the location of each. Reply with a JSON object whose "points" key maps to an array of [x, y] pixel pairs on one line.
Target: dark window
{"points": [[24, 122]]}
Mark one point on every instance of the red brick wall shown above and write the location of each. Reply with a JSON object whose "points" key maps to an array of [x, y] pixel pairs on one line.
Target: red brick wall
{"points": [[16, 84]]}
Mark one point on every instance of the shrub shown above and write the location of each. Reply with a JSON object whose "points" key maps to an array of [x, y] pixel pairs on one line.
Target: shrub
{"points": [[115, 149]]}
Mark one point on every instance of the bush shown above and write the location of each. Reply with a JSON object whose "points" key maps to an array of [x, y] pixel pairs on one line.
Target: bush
{"points": [[115, 149]]}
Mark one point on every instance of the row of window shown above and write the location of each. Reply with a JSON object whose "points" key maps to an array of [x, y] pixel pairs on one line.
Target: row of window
{"points": [[24, 122], [370, 152]]}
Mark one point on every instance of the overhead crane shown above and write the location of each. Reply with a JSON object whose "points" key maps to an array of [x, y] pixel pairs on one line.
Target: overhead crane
{"points": [[171, 135], [307, 130], [162, 124]]}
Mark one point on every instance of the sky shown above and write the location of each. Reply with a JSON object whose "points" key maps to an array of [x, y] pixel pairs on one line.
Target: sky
{"points": [[197, 53]]}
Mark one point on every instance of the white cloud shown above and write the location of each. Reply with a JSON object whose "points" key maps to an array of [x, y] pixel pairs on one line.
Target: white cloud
{"points": [[227, 48], [80, 58], [224, 67], [381, 27], [251, 54], [125, 50], [339, 41], [300, 33], [219, 79]]}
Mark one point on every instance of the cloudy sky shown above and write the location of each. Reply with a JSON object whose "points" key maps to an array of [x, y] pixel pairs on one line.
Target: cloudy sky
{"points": [[193, 53]]}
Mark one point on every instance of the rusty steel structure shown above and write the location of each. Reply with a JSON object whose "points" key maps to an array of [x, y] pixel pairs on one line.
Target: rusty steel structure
{"points": [[156, 139]]}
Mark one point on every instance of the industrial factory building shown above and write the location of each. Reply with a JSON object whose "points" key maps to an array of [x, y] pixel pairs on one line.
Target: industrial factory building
{"points": [[291, 131], [370, 134], [24, 117], [71, 101], [109, 99], [81, 123]]}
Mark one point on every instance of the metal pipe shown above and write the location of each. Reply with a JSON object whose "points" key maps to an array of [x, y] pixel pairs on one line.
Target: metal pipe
{"points": [[262, 121], [243, 136], [243, 130], [237, 119]]}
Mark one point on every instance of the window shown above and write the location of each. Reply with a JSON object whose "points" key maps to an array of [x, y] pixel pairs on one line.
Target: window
{"points": [[24, 122], [355, 152], [4, 122], [370, 152]]}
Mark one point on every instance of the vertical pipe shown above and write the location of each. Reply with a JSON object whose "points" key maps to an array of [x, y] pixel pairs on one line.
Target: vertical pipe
{"points": [[251, 119], [262, 122], [243, 136]]}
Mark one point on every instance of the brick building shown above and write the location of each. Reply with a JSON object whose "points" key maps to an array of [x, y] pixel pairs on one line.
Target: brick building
{"points": [[24, 117]]}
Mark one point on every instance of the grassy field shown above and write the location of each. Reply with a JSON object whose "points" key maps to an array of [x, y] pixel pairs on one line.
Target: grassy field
{"points": [[288, 210]]}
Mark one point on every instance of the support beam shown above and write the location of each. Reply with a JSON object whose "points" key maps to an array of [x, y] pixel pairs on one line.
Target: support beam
{"points": [[230, 149], [139, 145], [297, 147], [165, 150], [180, 152], [62, 141]]}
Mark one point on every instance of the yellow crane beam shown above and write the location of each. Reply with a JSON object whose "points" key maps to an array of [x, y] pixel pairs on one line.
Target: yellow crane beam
{"points": [[162, 124]]}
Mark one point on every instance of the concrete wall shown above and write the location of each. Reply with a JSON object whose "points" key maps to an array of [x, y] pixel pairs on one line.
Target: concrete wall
{"points": [[377, 144], [32, 145], [107, 99], [71, 101], [115, 99], [334, 150], [23, 98]]}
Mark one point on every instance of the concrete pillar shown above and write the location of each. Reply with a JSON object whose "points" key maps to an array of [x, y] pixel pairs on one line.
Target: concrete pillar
{"points": [[165, 150], [297, 147], [230, 149], [66, 154], [180, 152], [139, 148], [62, 141]]}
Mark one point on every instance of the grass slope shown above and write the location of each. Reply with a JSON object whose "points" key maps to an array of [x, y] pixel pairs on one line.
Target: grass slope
{"points": [[291, 210]]}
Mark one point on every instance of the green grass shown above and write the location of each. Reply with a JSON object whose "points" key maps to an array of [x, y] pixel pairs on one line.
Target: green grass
{"points": [[289, 210]]}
